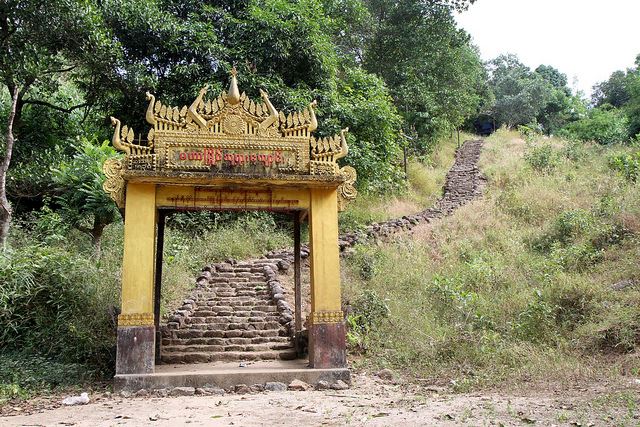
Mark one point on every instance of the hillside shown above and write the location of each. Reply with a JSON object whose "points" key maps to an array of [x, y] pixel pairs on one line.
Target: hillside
{"points": [[527, 294]]}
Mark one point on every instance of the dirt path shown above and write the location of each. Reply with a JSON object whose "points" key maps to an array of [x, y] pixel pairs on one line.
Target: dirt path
{"points": [[371, 402]]}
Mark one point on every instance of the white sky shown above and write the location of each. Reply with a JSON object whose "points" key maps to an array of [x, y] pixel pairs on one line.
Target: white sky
{"points": [[585, 39]]}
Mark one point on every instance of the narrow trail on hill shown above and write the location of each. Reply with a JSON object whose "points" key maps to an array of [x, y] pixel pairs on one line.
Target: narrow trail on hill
{"points": [[241, 310]]}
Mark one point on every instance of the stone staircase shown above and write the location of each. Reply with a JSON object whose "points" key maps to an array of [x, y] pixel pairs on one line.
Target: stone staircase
{"points": [[236, 313], [239, 311]]}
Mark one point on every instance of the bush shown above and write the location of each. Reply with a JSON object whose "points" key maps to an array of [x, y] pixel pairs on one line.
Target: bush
{"points": [[22, 373], [368, 310], [537, 322], [627, 164], [602, 125], [55, 304], [542, 158]]}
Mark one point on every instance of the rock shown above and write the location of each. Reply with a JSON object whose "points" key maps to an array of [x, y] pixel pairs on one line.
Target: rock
{"points": [[624, 284], [161, 392], [141, 393], [297, 385], [126, 394], [257, 388], [209, 391], [242, 389], [275, 386], [385, 374], [322, 385], [283, 265], [182, 391], [339, 385]]}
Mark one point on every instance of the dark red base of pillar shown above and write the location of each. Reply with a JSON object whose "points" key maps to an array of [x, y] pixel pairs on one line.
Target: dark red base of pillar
{"points": [[327, 345], [136, 350]]}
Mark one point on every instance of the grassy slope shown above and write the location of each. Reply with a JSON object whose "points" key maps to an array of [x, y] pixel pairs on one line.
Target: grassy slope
{"points": [[515, 285]]}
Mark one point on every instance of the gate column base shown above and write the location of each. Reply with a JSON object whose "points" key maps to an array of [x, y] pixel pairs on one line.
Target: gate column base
{"points": [[136, 350], [327, 345]]}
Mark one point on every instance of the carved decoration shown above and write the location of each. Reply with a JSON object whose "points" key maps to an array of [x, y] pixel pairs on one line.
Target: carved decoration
{"points": [[347, 190], [327, 317], [114, 184], [136, 319], [226, 135]]}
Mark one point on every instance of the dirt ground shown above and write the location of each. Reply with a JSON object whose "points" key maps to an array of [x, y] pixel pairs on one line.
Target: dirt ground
{"points": [[371, 402]]}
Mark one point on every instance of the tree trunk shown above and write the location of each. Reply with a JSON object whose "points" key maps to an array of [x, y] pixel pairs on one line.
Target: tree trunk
{"points": [[96, 237], [5, 206]]}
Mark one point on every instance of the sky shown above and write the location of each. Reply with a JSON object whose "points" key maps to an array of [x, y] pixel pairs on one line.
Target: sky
{"points": [[585, 39]]}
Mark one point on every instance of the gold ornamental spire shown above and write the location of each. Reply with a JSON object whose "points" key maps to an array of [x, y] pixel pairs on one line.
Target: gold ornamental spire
{"points": [[233, 96]]}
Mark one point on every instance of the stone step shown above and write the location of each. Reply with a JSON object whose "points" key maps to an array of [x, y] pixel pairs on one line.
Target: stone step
{"points": [[228, 356], [234, 311], [197, 322], [225, 341], [229, 333], [228, 347]]}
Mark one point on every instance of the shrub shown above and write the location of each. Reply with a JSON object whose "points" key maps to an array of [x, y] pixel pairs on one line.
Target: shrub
{"points": [[602, 125], [368, 310], [627, 164], [56, 304], [542, 158], [536, 323], [566, 226]]}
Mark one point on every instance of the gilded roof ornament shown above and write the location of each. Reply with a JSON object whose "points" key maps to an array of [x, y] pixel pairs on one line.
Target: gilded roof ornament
{"points": [[231, 134]]}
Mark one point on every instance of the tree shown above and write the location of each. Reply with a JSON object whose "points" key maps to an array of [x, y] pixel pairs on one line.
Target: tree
{"points": [[295, 50], [552, 75], [622, 91], [42, 43], [434, 74], [520, 95], [614, 91], [79, 181]]}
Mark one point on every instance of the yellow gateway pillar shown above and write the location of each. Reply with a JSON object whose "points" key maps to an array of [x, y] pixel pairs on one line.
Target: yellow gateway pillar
{"points": [[136, 330], [327, 348]]}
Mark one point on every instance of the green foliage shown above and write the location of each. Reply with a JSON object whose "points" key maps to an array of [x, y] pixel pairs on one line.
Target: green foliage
{"points": [[434, 74], [52, 304], [622, 91], [79, 181], [628, 164], [368, 311], [23, 374], [602, 125], [520, 94], [536, 323]]}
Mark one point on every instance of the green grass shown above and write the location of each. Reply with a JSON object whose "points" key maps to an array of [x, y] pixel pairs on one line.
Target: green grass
{"points": [[58, 300], [515, 285]]}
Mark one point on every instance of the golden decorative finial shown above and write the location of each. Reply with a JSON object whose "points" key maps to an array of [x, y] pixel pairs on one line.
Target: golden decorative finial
{"points": [[233, 97]]}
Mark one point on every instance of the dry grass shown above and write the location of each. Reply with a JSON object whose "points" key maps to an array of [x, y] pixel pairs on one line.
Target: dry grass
{"points": [[516, 285]]}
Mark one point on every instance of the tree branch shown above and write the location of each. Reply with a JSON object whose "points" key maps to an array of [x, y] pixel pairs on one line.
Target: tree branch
{"points": [[63, 70], [55, 107]]}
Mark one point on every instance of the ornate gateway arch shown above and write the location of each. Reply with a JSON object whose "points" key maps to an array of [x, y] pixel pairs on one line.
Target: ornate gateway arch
{"points": [[227, 152]]}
